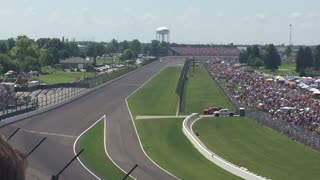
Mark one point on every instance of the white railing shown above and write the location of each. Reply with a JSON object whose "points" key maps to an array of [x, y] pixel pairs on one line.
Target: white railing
{"points": [[234, 169]]}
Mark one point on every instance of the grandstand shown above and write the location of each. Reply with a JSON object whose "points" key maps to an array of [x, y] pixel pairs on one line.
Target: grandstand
{"points": [[204, 50]]}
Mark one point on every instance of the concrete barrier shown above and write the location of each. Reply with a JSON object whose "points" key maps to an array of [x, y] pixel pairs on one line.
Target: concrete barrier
{"points": [[228, 166]]}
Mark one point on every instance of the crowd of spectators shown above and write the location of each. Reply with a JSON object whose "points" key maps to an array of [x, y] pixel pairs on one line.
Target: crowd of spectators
{"points": [[284, 101], [207, 51]]}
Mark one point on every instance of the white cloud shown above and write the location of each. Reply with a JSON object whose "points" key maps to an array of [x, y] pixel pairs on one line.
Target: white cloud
{"points": [[148, 18], [295, 15], [220, 17], [6, 12], [261, 17], [30, 11]]}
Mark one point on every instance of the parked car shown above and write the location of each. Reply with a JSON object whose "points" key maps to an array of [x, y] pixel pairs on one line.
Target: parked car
{"points": [[223, 112], [211, 110]]}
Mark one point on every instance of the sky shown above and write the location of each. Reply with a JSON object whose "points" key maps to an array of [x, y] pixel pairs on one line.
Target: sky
{"points": [[190, 21]]}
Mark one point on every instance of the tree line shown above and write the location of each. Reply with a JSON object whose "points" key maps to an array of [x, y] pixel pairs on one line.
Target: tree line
{"points": [[23, 54], [308, 61], [269, 57]]}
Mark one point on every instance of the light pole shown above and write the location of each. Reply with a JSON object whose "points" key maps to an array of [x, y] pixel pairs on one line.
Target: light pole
{"points": [[84, 67]]}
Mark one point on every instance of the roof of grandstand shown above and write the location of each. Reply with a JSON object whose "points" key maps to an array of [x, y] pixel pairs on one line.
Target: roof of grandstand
{"points": [[206, 50]]}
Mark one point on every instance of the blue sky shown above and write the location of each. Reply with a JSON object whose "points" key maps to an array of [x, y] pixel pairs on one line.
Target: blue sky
{"points": [[190, 21]]}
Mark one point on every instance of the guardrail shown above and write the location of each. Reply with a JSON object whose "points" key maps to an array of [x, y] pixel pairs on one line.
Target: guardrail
{"points": [[234, 169]]}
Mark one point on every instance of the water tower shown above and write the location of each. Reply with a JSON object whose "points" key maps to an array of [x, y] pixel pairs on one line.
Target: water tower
{"points": [[163, 34]]}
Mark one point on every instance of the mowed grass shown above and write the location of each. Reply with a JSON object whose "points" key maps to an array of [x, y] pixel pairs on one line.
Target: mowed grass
{"points": [[164, 141], [264, 151], [201, 92], [94, 155], [63, 77], [158, 96], [284, 69], [108, 60]]}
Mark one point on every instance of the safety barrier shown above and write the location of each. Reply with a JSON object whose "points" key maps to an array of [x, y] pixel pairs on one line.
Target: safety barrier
{"points": [[236, 170]]}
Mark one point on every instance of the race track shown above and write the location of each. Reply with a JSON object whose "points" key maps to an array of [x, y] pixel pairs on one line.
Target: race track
{"points": [[61, 126]]}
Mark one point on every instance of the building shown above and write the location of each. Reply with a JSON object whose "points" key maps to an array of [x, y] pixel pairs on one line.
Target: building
{"points": [[76, 62]]}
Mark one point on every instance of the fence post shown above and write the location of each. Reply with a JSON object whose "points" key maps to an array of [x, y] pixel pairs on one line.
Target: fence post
{"points": [[27, 103]]}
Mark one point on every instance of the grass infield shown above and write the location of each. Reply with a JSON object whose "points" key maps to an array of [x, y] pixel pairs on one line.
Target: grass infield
{"points": [[95, 156], [202, 92], [63, 77], [284, 69], [264, 151], [164, 141], [157, 97]]}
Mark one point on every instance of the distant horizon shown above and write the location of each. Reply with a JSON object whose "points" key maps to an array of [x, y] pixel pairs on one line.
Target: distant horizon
{"points": [[190, 22], [183, 43]]}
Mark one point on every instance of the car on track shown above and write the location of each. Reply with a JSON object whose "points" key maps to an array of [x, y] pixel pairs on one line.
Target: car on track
{"points": [[223, 112], [211, 110]]}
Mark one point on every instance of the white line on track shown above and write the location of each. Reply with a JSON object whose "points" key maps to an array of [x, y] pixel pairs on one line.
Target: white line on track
{"points": [[105, 147], [125, 84], [74, 150], [50, 134], [126, 100]]}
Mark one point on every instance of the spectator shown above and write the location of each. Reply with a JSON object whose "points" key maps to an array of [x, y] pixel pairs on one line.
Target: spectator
{"points": [[12, 163], [256, 90]]}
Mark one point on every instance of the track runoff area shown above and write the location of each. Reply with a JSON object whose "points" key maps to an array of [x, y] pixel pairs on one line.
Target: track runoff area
{"points": [[239, 140]]}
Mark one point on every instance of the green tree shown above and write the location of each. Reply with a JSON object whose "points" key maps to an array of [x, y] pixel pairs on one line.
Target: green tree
{"points": [[3, 47], [72, 48], [1, 69], [101, 49], [45, 57], [272, 59], [146, 48], [255, 52], [288, 51], [6, 63], [308, 59], [24, 47], [92, 52], [43, 42], [164, 48], [123, 45], [30, 63], [115, 44], [249, 51], [127, 54], [299, 60], [135, 46], [317, 58], [11, 43], [155, 47], [255, 62], [243, 57]]}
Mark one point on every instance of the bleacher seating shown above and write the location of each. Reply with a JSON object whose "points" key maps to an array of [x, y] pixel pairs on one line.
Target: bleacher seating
{"points": [[206, 50]]}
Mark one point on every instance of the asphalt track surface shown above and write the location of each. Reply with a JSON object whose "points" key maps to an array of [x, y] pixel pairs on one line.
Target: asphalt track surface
{"points": [[61, 126]]}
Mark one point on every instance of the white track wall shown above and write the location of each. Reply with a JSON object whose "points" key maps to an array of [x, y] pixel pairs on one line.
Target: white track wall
{"points": [[236, 170]]}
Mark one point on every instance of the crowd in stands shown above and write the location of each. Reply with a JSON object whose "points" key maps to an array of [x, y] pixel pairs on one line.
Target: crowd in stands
{"points": [[206, 51], [284, 101]]}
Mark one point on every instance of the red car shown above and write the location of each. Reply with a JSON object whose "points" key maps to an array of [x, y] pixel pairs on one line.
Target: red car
{"points": [[211, 110]]}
